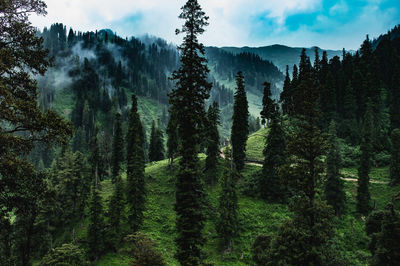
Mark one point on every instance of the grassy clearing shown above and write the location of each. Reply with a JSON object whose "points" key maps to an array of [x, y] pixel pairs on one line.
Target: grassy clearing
{"points": [[255, 145]]}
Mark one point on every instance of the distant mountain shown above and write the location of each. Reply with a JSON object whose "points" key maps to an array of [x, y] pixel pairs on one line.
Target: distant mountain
{"points": [[281, 55]]}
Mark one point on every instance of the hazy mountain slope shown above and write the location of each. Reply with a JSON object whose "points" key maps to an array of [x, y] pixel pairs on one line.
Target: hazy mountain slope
{"points": [[281, 55]]}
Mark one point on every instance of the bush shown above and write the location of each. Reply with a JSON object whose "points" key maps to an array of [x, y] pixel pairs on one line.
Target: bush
{"points": [[350, 154], [66, 255], [143, 250], [382, 159], [259, 249]]}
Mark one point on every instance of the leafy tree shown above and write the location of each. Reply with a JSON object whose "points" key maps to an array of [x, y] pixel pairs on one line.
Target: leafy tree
{"points": [[136, 193], [118, 148], [268, 104], [227, 226], [334, 188], [156, 152], [363, 194], [22, 123], [213, 151], [395, 158], [272, 185], [187, 99], [240, 126], [67, 254], [95, 231]]}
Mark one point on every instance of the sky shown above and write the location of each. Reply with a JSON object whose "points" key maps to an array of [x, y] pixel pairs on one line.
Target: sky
{"points": [[297, 23]]}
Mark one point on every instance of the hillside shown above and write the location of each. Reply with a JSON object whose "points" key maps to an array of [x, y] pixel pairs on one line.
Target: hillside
{"points": [[281, 55], [256, 216]]}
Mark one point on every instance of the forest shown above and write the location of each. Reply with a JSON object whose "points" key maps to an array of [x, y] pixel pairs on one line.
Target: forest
{"points": [[135, 151]]}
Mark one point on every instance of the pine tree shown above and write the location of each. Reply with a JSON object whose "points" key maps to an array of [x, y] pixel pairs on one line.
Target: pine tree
{"points": [[334, 191], [240, 125], [156, 149], [285, 97], [227, 226], [395, 158], [192, 89], [118, 148], [95, 232], [213, 152], [363, 195], [172, 140], [115, 212], [272, 184], [268, 104], [136, 193]]}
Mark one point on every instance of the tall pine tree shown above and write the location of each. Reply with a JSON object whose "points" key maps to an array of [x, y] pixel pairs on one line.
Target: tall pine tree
{"points": [[192, 89], [268, 104], [213, 152], [118, 148], [334, 191], [363, 194], [240, 124], [395, 158], [95, 231], [136, 193]]}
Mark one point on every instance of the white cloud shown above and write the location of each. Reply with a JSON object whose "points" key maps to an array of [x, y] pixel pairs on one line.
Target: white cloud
{"points": [[231, 21]]}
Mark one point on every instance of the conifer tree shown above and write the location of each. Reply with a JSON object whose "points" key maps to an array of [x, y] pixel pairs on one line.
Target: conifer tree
{"points": [[95, 232], [286, 93], [240, 125], [192, 89], [268, 104], [115, 209], [334, 191], [156, 148], [213, 152], [172, 140], [395, 158], [272, 184], [118, 148], [363, 194], [136, 193], [227, 226]]}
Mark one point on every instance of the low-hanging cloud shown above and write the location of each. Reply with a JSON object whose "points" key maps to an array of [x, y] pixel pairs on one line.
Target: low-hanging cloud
{"points": [[233, 22]]}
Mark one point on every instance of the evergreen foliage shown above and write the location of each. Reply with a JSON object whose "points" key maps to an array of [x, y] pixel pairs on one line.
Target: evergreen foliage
{"points": [[136, 194], [172, 140], [395, 158], [272, 185], [240, 126], [285, 97], [95, 232], [363, 194], [156, 148], [268, 104], [334, 187], [117, 148], [213, 152], [115, 213], [187, 99], [67, 254], [227, 226]]}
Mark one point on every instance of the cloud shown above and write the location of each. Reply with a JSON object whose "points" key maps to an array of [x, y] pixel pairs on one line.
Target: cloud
{"points": [[234, 22]]}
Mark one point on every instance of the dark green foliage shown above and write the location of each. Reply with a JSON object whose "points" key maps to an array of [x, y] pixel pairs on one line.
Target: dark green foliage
{"points": [[67, 254], [115, 213], [384, 229], [118, 148], [259, 249], [156, 148], [22, 124], [286, 97], [144, 250], [95, 232], [271, 182], [349, 126], [395, 158], [334, 190], [363, 194], [227, 226], [240, 126], [187, 99], [213, 152], [136, 194], [172, 141], [268, 110]]}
